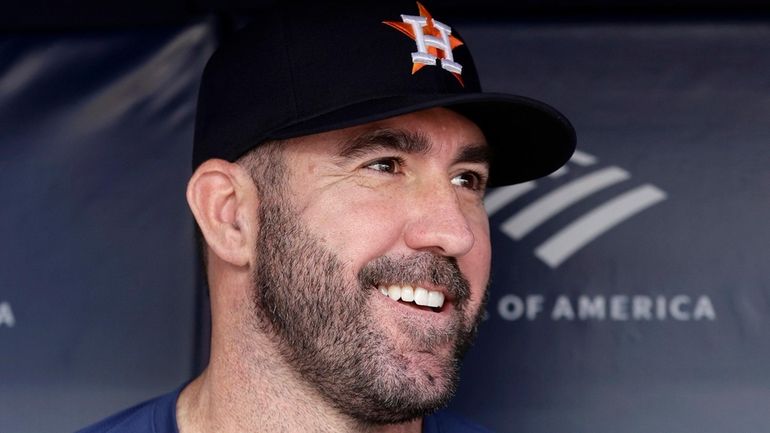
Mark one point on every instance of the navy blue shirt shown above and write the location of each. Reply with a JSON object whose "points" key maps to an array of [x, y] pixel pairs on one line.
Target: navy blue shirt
{"points": [[159, 416]]}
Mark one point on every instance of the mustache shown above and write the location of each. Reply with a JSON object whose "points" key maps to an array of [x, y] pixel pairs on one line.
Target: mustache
{"points": [[438, 270]]}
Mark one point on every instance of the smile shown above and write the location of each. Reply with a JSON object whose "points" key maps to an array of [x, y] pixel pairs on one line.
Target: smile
{"points": [[416, 295]]}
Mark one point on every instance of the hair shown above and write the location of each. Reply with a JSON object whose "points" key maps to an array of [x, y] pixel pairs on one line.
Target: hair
{"points": [[267, 168]]}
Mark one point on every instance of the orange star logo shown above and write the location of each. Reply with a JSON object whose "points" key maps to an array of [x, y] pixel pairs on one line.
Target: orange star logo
{"points": [[434, 41]]}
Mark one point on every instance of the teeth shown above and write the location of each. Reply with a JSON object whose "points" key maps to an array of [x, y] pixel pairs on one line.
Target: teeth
{"points": [[407, 294], [435, 299], [394, 292], [418, 295]]}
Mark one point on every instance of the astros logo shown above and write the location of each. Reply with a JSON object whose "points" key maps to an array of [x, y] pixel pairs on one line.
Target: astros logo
{"points": [[431, 37]]}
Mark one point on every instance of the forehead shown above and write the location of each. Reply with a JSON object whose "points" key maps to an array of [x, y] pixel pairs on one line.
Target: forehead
{"points": [[444, 132]]}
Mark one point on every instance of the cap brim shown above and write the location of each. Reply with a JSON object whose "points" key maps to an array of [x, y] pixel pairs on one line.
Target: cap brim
{"points": [[528, 139]]}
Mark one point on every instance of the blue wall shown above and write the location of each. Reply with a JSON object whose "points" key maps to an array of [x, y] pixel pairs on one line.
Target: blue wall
{"points": [[97, 266]]}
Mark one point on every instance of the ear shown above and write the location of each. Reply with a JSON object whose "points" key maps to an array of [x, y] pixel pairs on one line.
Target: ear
{"points": [[224, 201]]}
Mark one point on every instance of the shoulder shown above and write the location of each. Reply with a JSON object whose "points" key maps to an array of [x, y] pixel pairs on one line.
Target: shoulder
{"points": [[447, 422], [157, 415]]}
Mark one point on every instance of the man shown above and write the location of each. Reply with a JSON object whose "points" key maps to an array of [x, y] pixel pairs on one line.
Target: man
{"points": [[341, 158]]}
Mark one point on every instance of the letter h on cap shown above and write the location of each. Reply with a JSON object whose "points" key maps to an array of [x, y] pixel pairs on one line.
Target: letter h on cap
{"points": [[423, 41]]}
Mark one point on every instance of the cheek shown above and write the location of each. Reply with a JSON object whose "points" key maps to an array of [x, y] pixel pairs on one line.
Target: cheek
{"points": [[354, 226], [478, 260]]}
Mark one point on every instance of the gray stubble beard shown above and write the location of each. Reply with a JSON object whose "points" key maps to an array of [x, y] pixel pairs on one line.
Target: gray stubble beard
{"points": [[318, 322]]}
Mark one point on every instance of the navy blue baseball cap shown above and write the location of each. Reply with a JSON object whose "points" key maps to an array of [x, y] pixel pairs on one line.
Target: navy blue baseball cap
{"points": [[305, 69]]}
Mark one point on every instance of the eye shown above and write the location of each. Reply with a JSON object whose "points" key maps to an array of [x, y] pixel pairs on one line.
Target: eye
{"points": [[470, 180], [391, 164]]}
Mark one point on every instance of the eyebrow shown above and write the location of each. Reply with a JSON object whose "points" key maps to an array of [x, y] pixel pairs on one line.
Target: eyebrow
{"points": [[475, 153], [407, 142], [382, 139]]}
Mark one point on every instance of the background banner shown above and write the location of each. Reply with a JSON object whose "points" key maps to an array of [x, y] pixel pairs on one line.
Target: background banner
{"points": [[630, 289], [97, 265]]}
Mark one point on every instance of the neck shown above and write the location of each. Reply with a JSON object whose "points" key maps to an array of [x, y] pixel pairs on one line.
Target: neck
{"points": [[248, 388]]}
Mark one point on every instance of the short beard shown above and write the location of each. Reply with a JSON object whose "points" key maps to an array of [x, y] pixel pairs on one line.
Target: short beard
{"points": [[322, 322]]}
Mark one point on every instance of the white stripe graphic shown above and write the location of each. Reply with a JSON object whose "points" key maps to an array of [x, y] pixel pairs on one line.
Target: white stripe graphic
{"points": [[559, 199], [590, 226], [500, 197], [583, 159]]}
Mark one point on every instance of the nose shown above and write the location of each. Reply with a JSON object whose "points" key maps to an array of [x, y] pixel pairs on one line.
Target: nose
{"points": [[438, 224]]}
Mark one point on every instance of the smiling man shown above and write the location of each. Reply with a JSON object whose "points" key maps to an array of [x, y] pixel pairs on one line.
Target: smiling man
{"points": [[341, 159]]}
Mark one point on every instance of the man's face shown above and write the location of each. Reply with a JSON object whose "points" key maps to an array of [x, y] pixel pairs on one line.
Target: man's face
{"points": [[395, 203]]}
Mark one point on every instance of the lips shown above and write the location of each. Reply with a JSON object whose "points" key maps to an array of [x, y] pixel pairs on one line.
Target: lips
{"points": [[413, 294], [421, 281]]}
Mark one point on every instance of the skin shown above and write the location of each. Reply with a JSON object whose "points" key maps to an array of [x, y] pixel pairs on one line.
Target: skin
{"points": [[376, 202]]}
